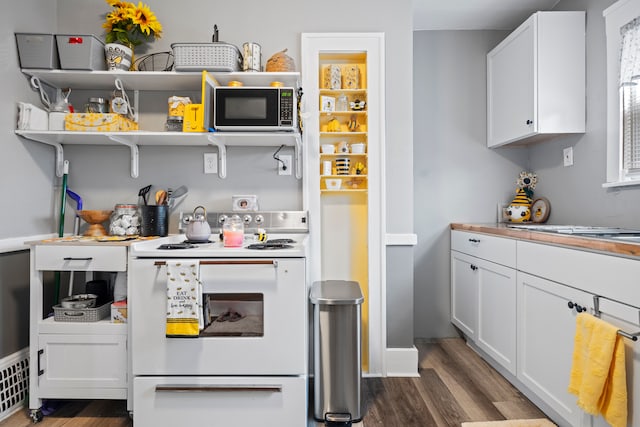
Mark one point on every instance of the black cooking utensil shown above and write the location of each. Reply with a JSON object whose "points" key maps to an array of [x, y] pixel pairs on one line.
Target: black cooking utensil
{"points": [[144, 193]]}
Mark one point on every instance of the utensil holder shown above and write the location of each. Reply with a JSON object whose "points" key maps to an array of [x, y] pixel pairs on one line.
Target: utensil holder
{"points": [[155, 220]]}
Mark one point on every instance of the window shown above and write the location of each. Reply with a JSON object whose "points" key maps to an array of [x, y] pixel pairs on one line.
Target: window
{"points": [[630, 98], [623, 93]]}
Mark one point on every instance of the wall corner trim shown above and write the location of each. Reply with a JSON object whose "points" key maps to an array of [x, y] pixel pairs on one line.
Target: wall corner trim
{"points": [[402, 362], [407, 239]]}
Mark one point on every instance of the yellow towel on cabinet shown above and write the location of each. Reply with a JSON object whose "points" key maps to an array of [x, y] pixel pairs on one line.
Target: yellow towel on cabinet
{"points": [[184, 299], [598, 375]]}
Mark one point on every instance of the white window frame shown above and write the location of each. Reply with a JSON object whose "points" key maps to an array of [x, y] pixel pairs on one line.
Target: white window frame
{"points": [[616, 16]]}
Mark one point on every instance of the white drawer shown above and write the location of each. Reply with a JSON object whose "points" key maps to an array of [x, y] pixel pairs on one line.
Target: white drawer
{"points": [[610, 276], [495, 249], [81, 258], [220, 401]]}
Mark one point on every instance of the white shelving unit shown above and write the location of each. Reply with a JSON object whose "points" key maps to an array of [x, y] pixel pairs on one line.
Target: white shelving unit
{"points": [[158, 80], [346, 234]]}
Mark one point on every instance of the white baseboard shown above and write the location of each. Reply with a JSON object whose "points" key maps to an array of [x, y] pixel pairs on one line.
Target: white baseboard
{"points": [[402, 362]]}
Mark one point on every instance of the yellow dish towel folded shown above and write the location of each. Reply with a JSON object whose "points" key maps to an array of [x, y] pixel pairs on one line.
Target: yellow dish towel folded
{"points": [[184, 299], [598, 375]]}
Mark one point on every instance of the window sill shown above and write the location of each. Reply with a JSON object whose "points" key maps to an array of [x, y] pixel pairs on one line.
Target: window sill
{"points": [[614, 184]]}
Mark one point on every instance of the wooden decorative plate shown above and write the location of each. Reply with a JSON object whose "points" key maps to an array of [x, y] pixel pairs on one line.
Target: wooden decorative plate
{"points": [[540, 209]]}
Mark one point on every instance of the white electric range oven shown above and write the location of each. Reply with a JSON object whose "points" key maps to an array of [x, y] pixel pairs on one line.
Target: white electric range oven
{"points": [[249, 362]]}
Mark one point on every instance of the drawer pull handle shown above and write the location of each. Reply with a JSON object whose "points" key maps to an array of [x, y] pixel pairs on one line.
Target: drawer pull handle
{"points": [[217, 388], [577, 306], [474, 240], [70, 258], [473, 267], [40, 370], [230, 262]]}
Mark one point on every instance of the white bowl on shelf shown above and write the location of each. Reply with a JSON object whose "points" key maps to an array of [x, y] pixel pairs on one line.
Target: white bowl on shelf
{"points": [[333, 183], [328, 148], [358, 148]]}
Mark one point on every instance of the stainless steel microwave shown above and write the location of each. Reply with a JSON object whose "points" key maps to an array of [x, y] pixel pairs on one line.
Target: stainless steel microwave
{"points": [[239, 108]]}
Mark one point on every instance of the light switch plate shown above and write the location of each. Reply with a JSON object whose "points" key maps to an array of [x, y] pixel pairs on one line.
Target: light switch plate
{"points": [[567, 155]]}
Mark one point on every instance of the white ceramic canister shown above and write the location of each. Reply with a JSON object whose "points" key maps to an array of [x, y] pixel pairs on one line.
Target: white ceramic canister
{"points": [[252, 56]]}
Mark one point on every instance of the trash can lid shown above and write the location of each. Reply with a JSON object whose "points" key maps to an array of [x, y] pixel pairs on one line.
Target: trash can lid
{"points": [[336, 292]]}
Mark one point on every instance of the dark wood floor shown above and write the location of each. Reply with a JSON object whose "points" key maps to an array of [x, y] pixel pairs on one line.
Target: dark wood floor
{"points": [[455, 385]]}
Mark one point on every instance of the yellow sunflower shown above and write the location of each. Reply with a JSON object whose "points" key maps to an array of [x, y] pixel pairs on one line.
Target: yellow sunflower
{"points": [[146, 19], [130, 24]]}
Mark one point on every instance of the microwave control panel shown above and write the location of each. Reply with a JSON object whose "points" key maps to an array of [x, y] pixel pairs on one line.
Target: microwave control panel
{"points": [[287, 108]]}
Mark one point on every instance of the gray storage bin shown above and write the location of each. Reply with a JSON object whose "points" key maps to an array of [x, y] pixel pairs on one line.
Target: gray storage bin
{"points": [[337, 353], [37, 51], [80, 52]]}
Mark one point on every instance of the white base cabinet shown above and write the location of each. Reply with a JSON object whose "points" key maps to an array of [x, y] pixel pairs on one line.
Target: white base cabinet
{"points": [[87, 366], [483, 294], [536, 80], [75, 360], [551, 284], [546, 328]]}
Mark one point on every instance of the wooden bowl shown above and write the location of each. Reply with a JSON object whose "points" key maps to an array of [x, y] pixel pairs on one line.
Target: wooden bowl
{"points": [[95, 218]]}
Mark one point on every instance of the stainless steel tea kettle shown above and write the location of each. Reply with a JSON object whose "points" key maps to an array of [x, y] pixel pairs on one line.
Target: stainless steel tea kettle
{"points": [[198, 229]]}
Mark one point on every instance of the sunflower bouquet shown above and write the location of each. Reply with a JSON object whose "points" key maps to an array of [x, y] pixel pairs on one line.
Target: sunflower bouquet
{"points": [[131, 25]]}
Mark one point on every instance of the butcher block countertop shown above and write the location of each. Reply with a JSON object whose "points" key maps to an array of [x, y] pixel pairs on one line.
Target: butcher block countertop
{"points": [[90, 241], [580, 242]]}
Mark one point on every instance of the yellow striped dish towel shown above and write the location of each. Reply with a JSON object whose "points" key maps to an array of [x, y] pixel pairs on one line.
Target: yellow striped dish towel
{"points": [[598, 375], [184, 299]]}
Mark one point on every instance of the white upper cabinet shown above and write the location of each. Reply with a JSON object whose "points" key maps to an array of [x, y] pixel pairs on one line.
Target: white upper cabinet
{"points": [[536, 80]]}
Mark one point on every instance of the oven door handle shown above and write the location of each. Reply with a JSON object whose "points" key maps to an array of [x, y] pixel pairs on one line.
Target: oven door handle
{"points": [[211, 388], [231, 262]]}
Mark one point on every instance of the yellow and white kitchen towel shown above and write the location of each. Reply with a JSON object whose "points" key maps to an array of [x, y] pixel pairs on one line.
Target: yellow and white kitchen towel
{"points": [[184, 299], [598, 374]]}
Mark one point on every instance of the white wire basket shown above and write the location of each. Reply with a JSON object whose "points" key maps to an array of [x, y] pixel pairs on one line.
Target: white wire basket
{"points": [[214, 56]]}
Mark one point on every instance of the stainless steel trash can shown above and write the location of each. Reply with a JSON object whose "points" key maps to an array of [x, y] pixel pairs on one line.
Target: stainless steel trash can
{"points": [[337, 354]]}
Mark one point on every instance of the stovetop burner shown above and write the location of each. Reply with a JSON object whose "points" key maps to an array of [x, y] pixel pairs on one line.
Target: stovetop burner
{"points": [[197, 242], [279, 241], [269, 246], [183, 245]]}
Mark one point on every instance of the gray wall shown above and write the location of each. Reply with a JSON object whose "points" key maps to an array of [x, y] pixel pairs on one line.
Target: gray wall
{"points": [[101, 175], [456, 177], [26, 171]]}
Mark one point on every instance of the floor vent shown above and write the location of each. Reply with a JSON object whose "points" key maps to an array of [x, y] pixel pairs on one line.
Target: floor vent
{"points": [[14, 382]]}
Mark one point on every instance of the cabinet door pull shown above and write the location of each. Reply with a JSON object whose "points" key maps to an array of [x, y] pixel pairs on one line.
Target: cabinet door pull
{"points": [[69, 258], [40, 371], [473, 267], [474, 240], [529, 122], [577, 306]]}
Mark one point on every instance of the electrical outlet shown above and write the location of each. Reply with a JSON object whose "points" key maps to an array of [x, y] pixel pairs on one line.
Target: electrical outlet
{"points": [[567, 156], [210, 162], [284, 167]]}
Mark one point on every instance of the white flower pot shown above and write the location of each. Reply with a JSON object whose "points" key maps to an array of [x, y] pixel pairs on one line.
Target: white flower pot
{"points": [[118, 56]]}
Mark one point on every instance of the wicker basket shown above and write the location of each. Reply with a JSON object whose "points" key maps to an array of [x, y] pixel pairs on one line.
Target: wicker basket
{"points": [[280, 62], [61, 314], [206, 56]]}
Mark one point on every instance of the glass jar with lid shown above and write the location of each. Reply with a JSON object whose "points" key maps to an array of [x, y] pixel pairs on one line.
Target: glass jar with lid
{"points": [[125, 220]]}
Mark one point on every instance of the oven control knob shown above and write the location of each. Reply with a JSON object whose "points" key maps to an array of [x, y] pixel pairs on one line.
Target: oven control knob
{"points": [[259, 219], [246, 219], [222, 219]]}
